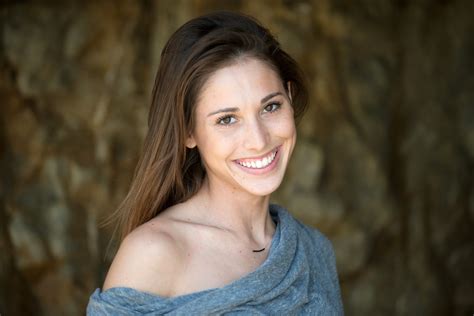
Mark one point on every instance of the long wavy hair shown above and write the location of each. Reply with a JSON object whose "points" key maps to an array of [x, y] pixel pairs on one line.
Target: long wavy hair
{"points": [[168, 172]]}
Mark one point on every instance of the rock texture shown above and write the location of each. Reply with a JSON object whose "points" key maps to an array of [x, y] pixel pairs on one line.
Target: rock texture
{"points": [[384, 164]]}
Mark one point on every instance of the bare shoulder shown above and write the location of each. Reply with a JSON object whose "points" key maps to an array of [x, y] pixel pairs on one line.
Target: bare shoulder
{"points": [[148, 259]]}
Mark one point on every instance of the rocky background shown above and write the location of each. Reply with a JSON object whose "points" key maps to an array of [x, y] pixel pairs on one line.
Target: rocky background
{"points": [[384, 164]]}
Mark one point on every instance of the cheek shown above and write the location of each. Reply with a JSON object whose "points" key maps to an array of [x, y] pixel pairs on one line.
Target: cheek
{"points": [[285, 126], [215, 145]]}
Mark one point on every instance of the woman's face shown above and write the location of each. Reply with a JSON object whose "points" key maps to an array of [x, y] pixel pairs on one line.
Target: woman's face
{"points": [[244, 128]]}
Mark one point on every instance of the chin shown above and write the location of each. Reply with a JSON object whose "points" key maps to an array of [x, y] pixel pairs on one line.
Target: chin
{"points": [[261, 188]]}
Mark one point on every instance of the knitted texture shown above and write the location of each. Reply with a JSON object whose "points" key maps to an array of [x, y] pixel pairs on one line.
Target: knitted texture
{"points": [[298, 277]]}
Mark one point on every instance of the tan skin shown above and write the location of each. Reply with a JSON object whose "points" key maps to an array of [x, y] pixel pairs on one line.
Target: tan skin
{"points": [[207, 241]]}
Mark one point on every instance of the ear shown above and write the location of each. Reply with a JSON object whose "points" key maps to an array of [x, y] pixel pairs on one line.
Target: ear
{"points": [[190, 142], [288, 86]]}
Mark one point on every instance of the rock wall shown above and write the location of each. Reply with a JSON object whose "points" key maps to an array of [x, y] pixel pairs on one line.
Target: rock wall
{"points": [[384, 163]]}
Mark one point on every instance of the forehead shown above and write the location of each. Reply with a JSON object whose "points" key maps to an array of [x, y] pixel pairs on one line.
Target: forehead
{"points": [[244, 81]]}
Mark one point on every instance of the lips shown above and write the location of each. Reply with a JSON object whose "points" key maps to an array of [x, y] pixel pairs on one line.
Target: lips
{"points": [[260, 164]]}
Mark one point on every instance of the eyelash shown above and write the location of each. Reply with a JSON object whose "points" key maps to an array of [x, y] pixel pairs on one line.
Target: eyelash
{"points": [[219, 120], [278, 106]]}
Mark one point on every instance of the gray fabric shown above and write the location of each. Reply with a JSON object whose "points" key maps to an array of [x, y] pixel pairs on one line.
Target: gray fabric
{"points": [[298, 278]]}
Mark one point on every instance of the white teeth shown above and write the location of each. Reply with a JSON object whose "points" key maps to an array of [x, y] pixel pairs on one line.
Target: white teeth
{"points": [[258, 164]]}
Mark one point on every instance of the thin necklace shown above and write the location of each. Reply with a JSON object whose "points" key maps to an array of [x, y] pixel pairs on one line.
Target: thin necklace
{"points": [[259, 250]]}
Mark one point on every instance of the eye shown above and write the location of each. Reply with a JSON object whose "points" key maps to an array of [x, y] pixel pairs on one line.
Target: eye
{"points": [[226, 120], [272, 107]]}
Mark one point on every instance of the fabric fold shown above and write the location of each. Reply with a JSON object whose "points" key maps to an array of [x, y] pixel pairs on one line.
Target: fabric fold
{"points": [[298, 277]]}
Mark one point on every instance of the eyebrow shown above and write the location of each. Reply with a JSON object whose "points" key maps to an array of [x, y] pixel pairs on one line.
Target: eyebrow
{"points": [[264, 99]]}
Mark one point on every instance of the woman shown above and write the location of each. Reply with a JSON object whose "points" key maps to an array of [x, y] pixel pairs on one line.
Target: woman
{"points": [[198, 233]]}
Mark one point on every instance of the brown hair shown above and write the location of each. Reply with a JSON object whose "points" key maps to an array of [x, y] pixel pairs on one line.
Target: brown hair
{"points": [[168, 172]]}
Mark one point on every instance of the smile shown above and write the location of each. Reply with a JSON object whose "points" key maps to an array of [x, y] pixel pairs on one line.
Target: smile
{"points": [[259, 163]]}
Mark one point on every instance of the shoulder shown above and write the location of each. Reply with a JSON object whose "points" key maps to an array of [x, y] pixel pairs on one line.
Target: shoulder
{"points": [[318, 239], [318, 242], [321, 253], [148, 259], [314, 240]]}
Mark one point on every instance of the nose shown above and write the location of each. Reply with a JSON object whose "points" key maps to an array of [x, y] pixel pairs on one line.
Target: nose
{"points": [[256, 136]]}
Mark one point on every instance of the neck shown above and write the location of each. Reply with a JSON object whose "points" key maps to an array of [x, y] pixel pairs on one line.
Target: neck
{"points": [[240, 213]]}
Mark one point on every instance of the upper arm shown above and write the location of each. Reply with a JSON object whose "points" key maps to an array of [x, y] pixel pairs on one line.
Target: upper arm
{"points": [[147, 260]]}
